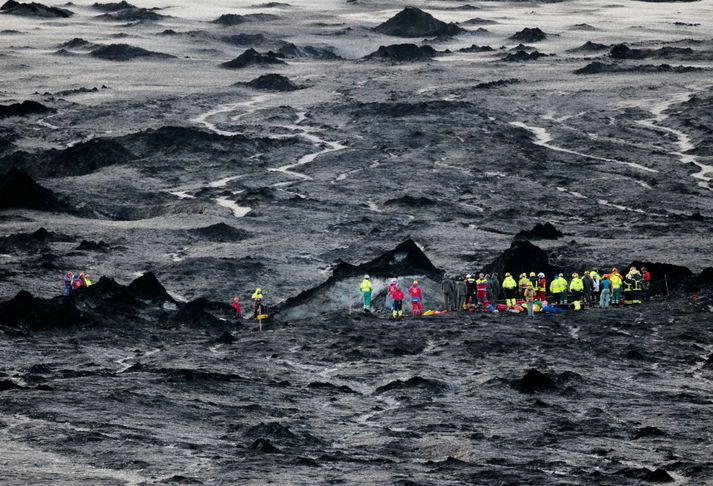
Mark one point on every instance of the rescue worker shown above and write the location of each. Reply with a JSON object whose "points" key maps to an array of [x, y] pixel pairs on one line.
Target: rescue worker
{"points": [[366, 288], [542, 287], [236, 305], [481, 286], [576, 287], [86, 281], [497, 288], [529, 297], [616, 282], [636, 280], [534, 281], [588, 286], [556, 290], [646, 283], [470, 291], [565, 289], [77, 281], [397, 303], [460, 293], [522, 283], [68, 277], [605, 292], [257, 299], [489, 290], [448, 286], [596, 279], [510, 289], [393, 285], [416, 303]]}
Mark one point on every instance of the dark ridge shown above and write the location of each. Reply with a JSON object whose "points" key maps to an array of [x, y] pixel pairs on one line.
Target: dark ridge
{"points": [[10, 32], [132, 15], [410, 201], [646, 474], [529, 35], [479, 21], [169, 32], [400, 109], [82, 90], [540, 232], [19, 191], [277, 432], [222, 233], [497, 84], [271, 5], [522, 47], [226, 338], [264, 446], [534, 382], [522, 257], [11, 7], [426, 384], [647, 431], [228, 20], [80, 159], [403, 53], [476, 48], [25, 241], [24, 109], [26, 311], [87, 245], [622, 51], [197, 313], [601, 68], [590, 46], [703, 280], [291, 51], [6, 385], [319, 385], [586, 27], [414, 22], [148, 287], [253, 58], [125, 52], [522, 56], [245, 39], [77, 43], [113, 6], [272, 82]]}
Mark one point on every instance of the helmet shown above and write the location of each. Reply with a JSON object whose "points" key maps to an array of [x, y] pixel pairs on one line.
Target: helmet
{"points": [[366, 277], [468, 276], [541, 275], [481, 275], [614, 270], [393, 281], [574, 275], [415, 282], [586, 272], [507, 274], [258, 290], [532, 274], [560, 275]]}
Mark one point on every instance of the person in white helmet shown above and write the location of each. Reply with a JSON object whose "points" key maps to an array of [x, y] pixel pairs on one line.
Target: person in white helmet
{"points": [[366, 288]]}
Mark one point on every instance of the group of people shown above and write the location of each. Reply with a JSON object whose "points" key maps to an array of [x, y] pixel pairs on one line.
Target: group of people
{"points": [[73, 281], [528, 293], [257, 298]]}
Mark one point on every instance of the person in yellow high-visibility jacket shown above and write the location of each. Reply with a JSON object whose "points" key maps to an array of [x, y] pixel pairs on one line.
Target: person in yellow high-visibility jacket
{"points": [[616, 281], [576, 287], [556, 290], [510, 289], [366, 288], [257, 299]]}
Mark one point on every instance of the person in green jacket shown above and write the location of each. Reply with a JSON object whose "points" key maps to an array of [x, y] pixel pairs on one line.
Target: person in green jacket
{"points": [[366, 287], [576, 287]]}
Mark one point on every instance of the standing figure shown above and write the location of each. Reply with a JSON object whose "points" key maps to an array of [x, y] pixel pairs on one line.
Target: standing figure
{"points": [[576, 287], [470, 288], [236, 305], [588, 287], [68, 277], [448, 286], [529, 296], [393, 285], [257, 299], [497, 288], [564, 285], [460, 293], [556, 290], [646, 283], [522, 284], [77, 281], [510, 289], [416, 303], [397, 297], [604, 292], [616, 282], [542, 287], [481, 286], [366, 289]]}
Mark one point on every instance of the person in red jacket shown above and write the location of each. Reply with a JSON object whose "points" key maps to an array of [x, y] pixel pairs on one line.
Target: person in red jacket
{"points": [[397, 302], [481, 286], [542, 287], [416, 304], [646, 282], [236, 305]]}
